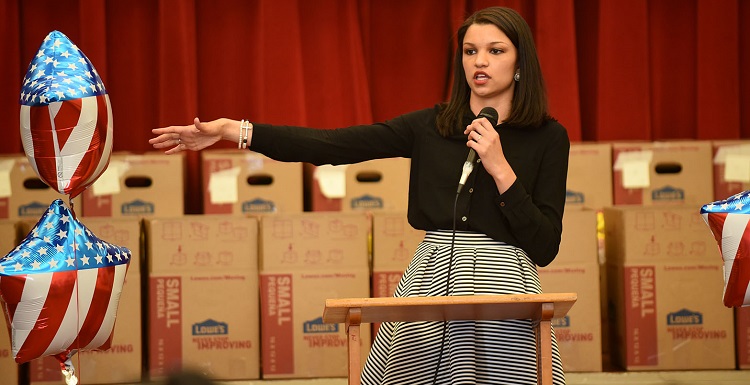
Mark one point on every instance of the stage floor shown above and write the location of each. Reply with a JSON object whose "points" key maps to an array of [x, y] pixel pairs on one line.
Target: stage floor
{"points": [[702, 377]]}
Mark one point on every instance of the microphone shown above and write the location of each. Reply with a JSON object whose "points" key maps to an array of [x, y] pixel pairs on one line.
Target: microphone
{"points": [[491, 115]]}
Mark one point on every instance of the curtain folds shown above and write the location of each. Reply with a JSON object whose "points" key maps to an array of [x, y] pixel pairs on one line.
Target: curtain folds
{"points": [[615, 69]]}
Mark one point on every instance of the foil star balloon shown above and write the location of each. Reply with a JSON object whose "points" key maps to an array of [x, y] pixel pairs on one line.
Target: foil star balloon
{"points": [[728, 220], [60, 289], [66, 117]]}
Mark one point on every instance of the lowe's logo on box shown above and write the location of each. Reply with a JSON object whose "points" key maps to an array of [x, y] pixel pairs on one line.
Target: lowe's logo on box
{"points": [[317, 326], [684, 317], [258, 205], [137, 207], [33, 209], [367, 202], [210, 327], [574, 197], [668, 193], [563, 322]]}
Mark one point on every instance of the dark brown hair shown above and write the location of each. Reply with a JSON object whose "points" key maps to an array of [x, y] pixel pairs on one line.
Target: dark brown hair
{"points": [[529, 106]]}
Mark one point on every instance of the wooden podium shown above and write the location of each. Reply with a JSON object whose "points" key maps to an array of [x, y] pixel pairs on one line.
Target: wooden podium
{"points": [[541, 308]]}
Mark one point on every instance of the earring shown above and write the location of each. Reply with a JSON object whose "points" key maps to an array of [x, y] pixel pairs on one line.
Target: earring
{"points": [[517, 76]]}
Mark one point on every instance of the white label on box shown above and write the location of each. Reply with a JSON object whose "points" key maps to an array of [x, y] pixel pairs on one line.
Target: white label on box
{"points": [[737, 168], [635, 167], [332, 180], [5, 167], [109, 182], [636, 174], [222, 186], [723, 151]]}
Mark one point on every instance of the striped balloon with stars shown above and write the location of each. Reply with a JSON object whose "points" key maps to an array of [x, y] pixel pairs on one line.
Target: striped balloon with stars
{"points": [[66, 117]]}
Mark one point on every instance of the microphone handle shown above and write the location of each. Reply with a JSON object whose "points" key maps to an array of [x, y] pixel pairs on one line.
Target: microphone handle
{"points": [[472, 156], [467, 169]]}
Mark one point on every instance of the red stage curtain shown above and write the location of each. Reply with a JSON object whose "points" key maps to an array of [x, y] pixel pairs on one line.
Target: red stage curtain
{"points": [[615, 69]]}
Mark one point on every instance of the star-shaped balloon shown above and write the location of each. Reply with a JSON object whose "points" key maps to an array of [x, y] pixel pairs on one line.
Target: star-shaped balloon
{"points": [[60, 289], [728, 220], [66, 117]]}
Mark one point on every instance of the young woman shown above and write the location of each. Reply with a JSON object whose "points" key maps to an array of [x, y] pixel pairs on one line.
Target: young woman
{"points": [[485, 238]]}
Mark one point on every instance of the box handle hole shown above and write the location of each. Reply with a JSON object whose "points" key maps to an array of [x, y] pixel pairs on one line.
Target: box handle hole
{"points": [[260, 180], [138, 181], [369, 176], [668, 168]]}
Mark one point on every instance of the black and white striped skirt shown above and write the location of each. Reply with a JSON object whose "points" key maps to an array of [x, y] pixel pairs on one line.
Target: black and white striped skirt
{"points": [[474, 352]]}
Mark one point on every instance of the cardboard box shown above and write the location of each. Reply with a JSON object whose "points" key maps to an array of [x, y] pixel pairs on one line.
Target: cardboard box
{"points": [[245, 182], [394, 242], [8, 366], [380, 184], [576, 270], [657, 173], [203, 296], [122, 363], [742, 329], [138, 185], [305, 259], [665, 289], [23, 195], [731, 161], [589, 176]]}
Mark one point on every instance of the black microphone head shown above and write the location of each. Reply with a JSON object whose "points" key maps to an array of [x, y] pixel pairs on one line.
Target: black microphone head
{"points": [[489, 113]]}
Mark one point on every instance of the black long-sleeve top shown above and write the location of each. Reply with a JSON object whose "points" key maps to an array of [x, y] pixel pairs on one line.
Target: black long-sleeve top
{"points": [[528, 215]]}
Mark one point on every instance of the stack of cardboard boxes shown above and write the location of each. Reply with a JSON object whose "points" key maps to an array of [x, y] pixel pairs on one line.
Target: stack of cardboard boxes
{"points": [[239, 292], [305, 259], [664, 273], [122, 363], [578, 267], [731, 161], [203, 296]]}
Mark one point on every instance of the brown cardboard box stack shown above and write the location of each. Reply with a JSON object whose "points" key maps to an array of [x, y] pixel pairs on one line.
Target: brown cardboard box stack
{"points": [[666, 287], [22, 194], [248, 183], [380, 184], [731, 162], [731, 169], [203, 296], [648, 173], [137, 185], [589, 185], [576, 270], [394, 242], [662, 285], [305, 259], [122, 363], [8, 366]]}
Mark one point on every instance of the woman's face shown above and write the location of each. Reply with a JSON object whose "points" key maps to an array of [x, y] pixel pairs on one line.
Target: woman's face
{"points": [[489, 60]]}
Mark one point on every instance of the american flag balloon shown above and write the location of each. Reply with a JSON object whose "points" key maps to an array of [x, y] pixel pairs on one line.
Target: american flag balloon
{"points": [[66, 117], [728, 220], [60, 288]]}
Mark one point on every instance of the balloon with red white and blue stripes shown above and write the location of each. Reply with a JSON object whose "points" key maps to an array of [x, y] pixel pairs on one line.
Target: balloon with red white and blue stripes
{"points": [[728, 220], [66, 117], [60, 288]]}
